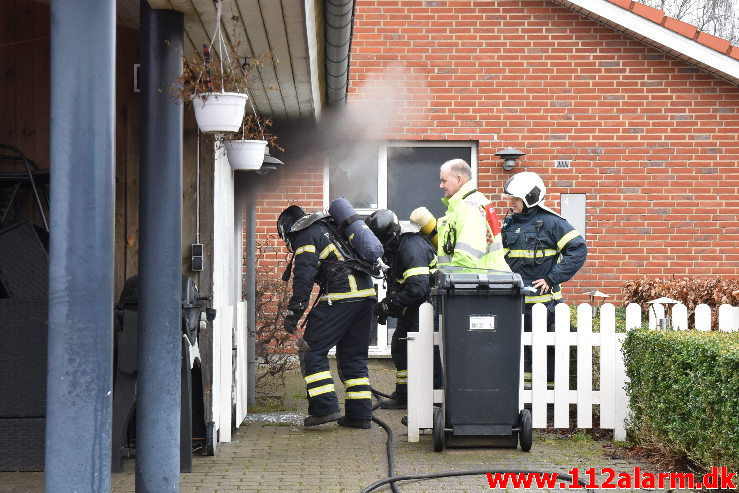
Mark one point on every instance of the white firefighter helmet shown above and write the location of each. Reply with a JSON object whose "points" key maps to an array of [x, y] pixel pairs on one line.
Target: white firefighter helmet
{"points": [[527, 186]]}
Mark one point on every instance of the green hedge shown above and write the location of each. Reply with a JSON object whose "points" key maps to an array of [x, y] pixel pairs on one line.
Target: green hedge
{"points": [[684, 394]]}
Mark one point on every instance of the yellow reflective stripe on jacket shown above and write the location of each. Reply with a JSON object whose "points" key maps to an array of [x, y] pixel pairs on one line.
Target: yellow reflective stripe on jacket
{"points": [[314, 377], [416, 271], [494, 247], [352, 283], [363, 293], [353, 382], [306, 248], [365, 394], [532, 253], [543, 298], [330, 248], [472, 251], [566, 238], [324, 389]]}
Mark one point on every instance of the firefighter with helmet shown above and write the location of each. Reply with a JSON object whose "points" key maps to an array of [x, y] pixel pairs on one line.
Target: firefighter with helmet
{"points": [[342, 317], [412, 260], [542, 247]]}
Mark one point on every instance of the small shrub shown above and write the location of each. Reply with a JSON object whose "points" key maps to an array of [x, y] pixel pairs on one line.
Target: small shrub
{"points": [[273, 346], [684, 393]]}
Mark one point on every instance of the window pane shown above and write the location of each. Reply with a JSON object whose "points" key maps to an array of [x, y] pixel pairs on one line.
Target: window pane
{"points": [[354, 175], [413, 177]]}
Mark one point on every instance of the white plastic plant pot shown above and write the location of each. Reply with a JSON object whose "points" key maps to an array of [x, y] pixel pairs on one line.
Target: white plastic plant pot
{"points": [[245, 154], [219, 111]]}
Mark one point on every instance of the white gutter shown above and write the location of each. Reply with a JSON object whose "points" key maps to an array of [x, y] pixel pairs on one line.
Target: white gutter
{"points": [[669, 40]]}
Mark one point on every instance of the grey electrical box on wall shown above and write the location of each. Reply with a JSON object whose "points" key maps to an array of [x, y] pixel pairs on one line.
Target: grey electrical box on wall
{"points": [[196, 262], [572, 207]]}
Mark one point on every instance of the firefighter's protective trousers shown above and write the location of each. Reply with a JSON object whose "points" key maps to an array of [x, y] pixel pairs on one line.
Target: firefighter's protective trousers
{"points": [[342, 318], [412, 260], [347, 326]]}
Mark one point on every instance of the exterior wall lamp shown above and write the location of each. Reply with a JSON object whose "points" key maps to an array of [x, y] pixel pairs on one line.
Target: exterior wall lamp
{"points": [[509, 156], [270, 163]]}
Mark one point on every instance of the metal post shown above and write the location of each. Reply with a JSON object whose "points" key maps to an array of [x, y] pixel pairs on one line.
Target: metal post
{"points": [[81, 256], [251, 289], [244, 200], [160, 270]]}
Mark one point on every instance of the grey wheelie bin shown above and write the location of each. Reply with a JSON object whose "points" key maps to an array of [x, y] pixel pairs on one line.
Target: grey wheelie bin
{"points": [[481, 316]]}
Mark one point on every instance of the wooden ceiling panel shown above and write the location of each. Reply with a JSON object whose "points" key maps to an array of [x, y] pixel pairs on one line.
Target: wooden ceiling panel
{"points": [[280, 89]]}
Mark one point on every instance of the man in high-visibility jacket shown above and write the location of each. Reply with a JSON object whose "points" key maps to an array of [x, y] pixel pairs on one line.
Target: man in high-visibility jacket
{"points": [[469, 237]]}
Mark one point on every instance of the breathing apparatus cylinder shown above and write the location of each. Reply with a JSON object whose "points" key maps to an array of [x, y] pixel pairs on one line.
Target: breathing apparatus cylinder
{"points": [[352, 226], [423, 218]]}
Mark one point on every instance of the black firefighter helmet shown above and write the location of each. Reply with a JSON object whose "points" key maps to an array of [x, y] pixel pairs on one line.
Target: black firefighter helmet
{"points": [[287, 218], [384, 224]]}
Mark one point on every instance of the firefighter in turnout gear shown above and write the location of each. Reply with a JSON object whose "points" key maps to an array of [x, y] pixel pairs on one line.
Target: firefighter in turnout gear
{"points": [[469, 233], [341, 317], [412, 260], [543, 248]]}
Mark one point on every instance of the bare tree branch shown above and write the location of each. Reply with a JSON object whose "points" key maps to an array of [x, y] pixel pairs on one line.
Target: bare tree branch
{"points": [[717, 17]]}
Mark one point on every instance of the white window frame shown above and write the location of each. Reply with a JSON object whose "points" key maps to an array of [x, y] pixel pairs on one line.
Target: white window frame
{"points": [[382, 348]]}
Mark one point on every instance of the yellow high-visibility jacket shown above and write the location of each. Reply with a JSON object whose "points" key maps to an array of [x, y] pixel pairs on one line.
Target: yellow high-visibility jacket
{"points": [[466, 241]]}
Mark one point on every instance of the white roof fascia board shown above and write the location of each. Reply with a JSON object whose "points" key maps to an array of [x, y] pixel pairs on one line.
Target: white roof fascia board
{"points": [[661, 35], [313, 56]]}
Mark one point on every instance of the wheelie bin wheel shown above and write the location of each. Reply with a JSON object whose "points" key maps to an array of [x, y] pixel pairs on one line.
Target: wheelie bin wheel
{"points": [[525, 434], [439, 436]]}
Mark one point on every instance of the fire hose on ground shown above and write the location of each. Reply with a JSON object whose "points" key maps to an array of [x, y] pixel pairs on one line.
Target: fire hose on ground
{"points": [[392, 479]]}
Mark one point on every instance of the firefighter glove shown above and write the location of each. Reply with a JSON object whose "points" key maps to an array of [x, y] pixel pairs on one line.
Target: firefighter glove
{"points": [[387, 308], [292, 317], [380, 310]]}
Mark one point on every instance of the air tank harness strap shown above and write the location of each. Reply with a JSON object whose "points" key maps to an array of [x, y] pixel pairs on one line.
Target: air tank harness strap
{"points": [[348, 221]]}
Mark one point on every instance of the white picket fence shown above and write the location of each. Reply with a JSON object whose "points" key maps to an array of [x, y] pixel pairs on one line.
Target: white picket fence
{"points": [[608, 394]]}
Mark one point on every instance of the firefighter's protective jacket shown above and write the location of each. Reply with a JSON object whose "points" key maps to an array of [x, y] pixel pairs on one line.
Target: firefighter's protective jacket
{"points": [[539, 244], [319, 260], [412, 261], [466, 239]]}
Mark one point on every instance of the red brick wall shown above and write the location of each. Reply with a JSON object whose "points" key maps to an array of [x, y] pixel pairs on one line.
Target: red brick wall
{"points": [[653, 141], [298, 183]]}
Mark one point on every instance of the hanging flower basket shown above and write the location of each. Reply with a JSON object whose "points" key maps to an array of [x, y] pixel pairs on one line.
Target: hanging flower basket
{"points": [[219, 111], [245, 154]]}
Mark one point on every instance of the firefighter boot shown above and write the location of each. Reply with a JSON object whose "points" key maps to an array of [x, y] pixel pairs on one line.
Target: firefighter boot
{"points": [[319, 420], [395, 402]]}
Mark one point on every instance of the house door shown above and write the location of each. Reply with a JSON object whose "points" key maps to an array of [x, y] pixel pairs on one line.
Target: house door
{"points": [[397, 176]]}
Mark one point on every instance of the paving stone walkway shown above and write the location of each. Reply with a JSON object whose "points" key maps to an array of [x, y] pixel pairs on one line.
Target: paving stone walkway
{"points": [[273, 452]]}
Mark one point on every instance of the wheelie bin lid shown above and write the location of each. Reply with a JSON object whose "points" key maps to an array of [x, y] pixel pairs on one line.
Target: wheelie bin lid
{"points": [[477, 281]]}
